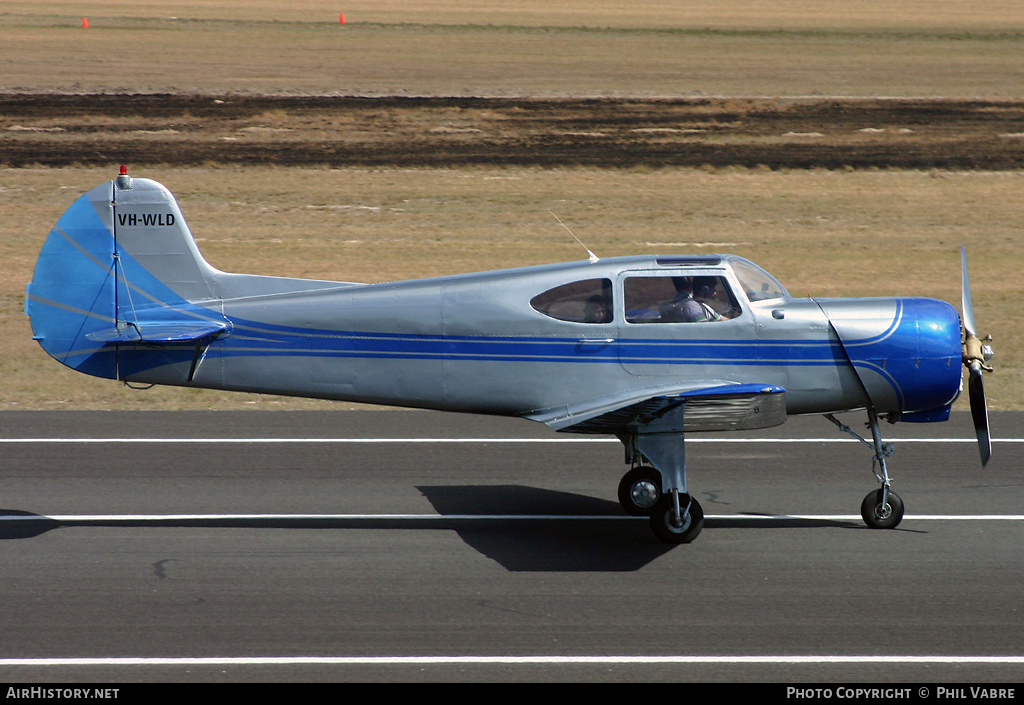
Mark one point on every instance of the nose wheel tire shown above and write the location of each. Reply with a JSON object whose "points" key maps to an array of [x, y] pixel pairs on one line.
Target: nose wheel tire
{"points": [[663, 522], [640, 490], [882, 516]]}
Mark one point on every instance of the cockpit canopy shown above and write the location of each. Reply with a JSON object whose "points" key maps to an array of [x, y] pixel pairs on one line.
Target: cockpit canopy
{"points": [[675, 289]]}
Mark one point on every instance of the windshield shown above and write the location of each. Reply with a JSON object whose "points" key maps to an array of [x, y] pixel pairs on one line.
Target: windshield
{"points": [[757, 284]]}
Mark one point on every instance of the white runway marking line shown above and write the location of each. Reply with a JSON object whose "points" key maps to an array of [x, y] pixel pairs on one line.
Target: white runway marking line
{"points": [[482, 440], [484, 660], [157, 518]]}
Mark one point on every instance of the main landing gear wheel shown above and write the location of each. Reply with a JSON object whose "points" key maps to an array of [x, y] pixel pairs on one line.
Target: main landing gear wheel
{"points": [[640, 490], [882, 516], [663, 522]]}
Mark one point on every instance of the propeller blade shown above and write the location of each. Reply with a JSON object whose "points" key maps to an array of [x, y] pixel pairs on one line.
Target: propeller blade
{"points": [[976, 355], [966, 308], [979, 412]]}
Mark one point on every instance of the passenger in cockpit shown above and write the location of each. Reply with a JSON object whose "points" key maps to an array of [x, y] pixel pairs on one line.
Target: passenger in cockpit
{"points": [[684, 307], [596, 310]]}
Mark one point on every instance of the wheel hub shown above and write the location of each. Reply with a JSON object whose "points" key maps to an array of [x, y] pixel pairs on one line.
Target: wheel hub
{"points": [[644, 494], [681, 525]]}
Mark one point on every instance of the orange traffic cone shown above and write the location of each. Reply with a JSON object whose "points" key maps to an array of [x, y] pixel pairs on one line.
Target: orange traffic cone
{"points": [[85, 23], [341, 18]]}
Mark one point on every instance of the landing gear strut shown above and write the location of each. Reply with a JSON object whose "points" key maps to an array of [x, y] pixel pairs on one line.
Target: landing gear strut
{"points": [[658, 489], [881, 508]]}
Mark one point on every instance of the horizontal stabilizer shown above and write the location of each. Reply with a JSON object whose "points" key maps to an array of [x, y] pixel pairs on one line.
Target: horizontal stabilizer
{"points": [[160, 332], [725, 407]]}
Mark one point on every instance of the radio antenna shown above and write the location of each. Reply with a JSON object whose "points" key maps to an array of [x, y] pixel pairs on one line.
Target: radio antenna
{"points": [[592, 257]]}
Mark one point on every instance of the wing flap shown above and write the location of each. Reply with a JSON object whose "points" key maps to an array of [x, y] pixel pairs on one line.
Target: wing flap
{"points": [[725, 407]]}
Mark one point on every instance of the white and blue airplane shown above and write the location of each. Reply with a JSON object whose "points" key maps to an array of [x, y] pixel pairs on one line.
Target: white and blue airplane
{"points": [[648, 348]]}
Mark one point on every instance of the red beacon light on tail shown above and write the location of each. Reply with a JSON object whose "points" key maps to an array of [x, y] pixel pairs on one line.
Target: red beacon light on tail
{"points": [[124, 182]]}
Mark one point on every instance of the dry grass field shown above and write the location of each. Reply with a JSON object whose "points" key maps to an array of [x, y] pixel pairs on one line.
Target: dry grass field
{"points": [[861, 227], [870, 48]]}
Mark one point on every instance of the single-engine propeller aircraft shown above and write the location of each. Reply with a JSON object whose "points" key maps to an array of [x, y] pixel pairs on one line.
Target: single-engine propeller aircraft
{"points": [[648, 348]]}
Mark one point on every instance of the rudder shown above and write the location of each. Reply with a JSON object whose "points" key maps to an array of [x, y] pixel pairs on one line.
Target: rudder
{"points": [[120, 268]]}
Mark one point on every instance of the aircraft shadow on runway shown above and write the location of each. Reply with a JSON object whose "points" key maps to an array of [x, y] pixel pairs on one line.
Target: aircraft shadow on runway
{"points": [[522, 543], [521, 528], [532, 529]]}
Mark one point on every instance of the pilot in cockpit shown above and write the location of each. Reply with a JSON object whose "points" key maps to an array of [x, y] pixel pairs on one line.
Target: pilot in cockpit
{"points": [[684, 307], [707, 291]]}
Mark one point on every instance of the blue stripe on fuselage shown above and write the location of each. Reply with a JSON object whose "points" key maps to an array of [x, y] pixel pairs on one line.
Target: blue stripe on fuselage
{"points": [[252, 338]]}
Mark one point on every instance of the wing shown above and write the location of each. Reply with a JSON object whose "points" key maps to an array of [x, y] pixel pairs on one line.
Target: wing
{"points": [[673, 409]]}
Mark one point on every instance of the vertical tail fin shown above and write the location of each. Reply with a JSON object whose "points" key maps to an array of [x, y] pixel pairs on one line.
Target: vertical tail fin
{"points": [[120, 268]]}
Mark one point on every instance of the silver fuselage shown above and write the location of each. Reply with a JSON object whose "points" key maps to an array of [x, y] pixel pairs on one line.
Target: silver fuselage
{"points": [[471, 342]]}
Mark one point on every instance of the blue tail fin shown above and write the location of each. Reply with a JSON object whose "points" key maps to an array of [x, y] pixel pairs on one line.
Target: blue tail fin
{"points": [[121, 270]]}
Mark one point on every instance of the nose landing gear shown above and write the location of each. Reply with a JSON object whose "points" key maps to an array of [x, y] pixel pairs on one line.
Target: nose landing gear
{"points": [[881, 508]]}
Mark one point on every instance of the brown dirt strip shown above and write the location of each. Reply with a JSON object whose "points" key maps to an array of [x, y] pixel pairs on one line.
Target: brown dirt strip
{"points": [[184, 130]]}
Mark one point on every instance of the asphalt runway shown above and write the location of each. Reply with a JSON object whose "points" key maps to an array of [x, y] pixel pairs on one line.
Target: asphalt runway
{"points": [[416, 546]]}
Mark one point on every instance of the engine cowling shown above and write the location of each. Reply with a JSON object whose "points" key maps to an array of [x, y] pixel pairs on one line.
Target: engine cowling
{"points": [[905, 351]]}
